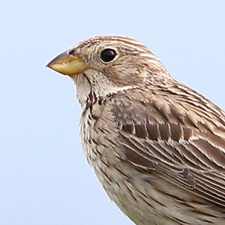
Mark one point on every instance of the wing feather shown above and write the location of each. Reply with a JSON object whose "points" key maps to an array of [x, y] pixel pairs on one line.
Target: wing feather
{"points": [[187, 150]]}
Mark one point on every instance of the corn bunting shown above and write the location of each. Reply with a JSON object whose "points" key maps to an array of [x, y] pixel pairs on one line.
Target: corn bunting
{"points": [[156, 146]]}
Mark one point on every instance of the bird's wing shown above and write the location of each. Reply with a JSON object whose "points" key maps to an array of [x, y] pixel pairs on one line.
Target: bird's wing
{"points": [[183, 146]]}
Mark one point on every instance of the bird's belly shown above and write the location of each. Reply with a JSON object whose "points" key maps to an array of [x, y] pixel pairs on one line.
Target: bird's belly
{"points": [[144, 202]]}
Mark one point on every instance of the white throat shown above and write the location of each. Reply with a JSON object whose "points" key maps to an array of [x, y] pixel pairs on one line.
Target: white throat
{"points": [[93, 82]]}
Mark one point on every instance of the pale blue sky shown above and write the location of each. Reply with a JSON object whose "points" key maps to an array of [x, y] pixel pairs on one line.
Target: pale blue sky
{"points": [[44, 176]]}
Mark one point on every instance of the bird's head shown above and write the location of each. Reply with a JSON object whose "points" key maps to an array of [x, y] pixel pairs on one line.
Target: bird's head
{"points": [[108, 64]]}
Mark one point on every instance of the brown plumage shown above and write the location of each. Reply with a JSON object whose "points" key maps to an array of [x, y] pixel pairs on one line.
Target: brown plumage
{"points": [[157, 146]]}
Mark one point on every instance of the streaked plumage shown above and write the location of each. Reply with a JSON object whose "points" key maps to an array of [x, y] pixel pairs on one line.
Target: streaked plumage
{"points": [[157, 146]]}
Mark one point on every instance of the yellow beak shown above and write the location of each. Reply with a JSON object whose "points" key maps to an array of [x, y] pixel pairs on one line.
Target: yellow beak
{"points": [[68, 64]]}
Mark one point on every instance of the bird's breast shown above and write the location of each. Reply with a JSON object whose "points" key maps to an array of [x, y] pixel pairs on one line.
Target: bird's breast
{"points": [[98, 132]]}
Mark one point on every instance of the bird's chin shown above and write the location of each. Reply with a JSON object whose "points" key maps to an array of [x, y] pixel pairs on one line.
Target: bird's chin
{"points": [[83, 88]]}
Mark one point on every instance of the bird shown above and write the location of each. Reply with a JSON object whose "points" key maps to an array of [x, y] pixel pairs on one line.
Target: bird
{"points": [[156, 145]]}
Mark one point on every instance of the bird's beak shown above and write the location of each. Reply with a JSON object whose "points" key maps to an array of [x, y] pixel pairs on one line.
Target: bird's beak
{"points": [[68, 64]]}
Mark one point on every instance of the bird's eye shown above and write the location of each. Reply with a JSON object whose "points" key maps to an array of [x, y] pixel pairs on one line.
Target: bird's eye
{"points": [[108, 55]]}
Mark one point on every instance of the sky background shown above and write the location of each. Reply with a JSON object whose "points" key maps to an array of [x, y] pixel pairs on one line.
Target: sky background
{"points": [[44, 176]]}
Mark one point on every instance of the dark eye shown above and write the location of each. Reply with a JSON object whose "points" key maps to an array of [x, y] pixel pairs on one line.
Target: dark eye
{"points": [[108, 55]]}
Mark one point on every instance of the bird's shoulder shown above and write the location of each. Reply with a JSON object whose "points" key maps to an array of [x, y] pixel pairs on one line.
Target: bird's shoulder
{"points": [[173, 104]]}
